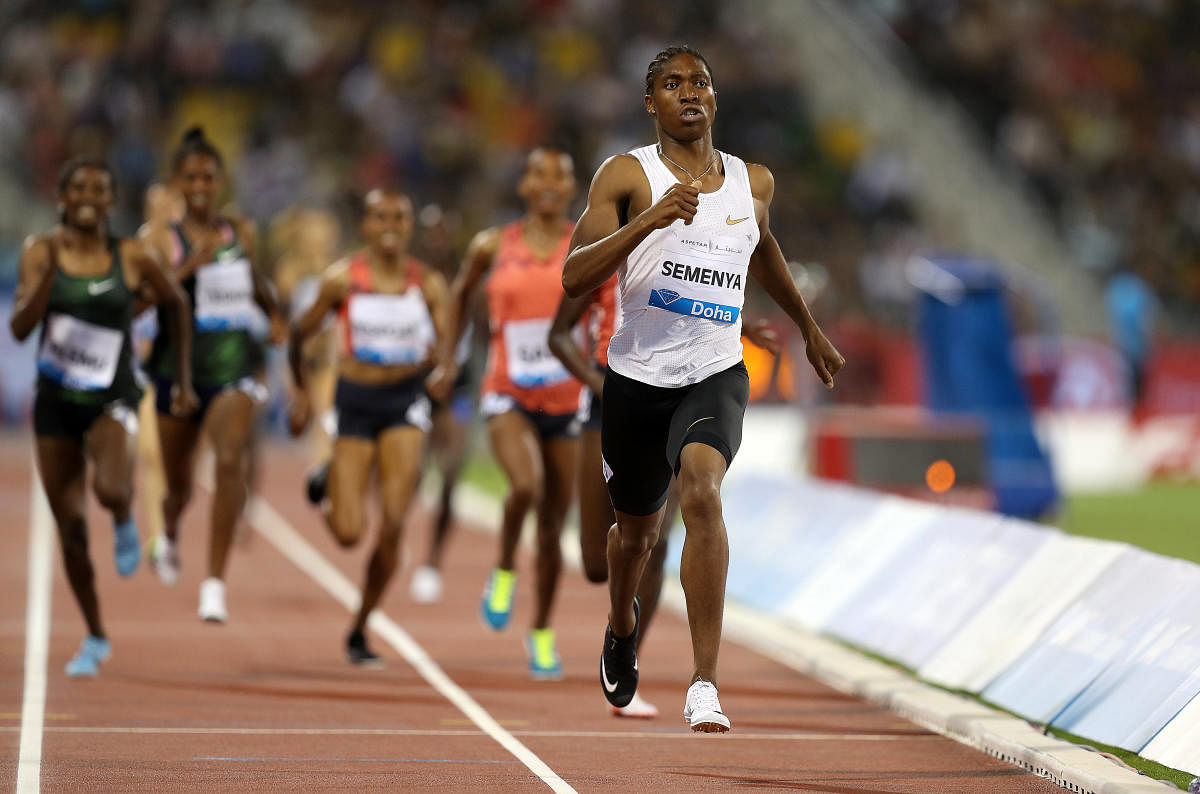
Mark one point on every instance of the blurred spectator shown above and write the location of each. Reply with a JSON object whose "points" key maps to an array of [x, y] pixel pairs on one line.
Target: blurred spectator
{"points": [[1097, 105], [1132, 308]]}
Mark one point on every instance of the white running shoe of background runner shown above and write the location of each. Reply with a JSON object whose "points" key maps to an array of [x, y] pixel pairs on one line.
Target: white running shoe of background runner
{"points": [[164, 558], [702, 709], [426, 587], [212, 601], [637, 709]]}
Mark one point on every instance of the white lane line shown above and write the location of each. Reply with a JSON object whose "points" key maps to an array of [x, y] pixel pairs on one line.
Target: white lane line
{"points": [[672, 735], [292, 545], [37, 638]]}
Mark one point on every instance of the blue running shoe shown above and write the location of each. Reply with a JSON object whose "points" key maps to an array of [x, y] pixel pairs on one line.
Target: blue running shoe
{"points": [[92, 651], [544, 663], [497, 602], [128, 547]]}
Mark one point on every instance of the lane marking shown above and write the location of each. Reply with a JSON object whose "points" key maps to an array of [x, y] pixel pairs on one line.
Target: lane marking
{"points": [[251, 760], [663, 734], [462, 721], [292, 545], [37, 639]]}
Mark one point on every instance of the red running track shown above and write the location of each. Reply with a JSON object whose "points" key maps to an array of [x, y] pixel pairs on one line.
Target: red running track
{"points": [[267, 702]]}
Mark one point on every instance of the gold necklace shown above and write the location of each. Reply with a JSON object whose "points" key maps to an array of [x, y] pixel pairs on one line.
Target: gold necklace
{"points": [[695, 179]]}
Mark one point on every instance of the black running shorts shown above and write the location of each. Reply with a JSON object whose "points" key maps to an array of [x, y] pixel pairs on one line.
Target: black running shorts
{"points": [[54, 417], [590, 412], [366, 411], [645, 428]]}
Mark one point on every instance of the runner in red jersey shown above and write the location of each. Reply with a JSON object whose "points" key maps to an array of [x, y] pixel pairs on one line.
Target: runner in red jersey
{"points": [[391, 310], [529, 399]]}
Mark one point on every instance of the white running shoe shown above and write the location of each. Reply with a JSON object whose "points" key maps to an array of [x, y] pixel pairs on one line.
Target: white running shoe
{"points": [[164, 558], [637, 709], [426, 586], [212, 601], [702, 709]]}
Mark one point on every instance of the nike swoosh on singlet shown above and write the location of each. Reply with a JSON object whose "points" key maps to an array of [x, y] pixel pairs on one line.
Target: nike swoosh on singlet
{"points": [[732, 222], [99, 287], [610, 688], [698, 421]]}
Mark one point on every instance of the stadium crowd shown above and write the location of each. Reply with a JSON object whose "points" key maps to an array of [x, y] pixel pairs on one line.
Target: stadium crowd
{"points": [[1097, 105]]}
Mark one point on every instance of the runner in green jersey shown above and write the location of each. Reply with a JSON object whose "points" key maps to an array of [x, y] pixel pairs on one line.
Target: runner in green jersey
{"points": [[80, 284], [213, 258]]}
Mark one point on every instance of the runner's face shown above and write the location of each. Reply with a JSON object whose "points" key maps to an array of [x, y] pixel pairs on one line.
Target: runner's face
{"points": [[387, 223], [200, 180], [87, 198], [684, 102], [549, 182]]}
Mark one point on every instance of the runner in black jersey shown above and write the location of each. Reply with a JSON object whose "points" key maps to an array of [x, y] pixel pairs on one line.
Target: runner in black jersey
{"points": [[684, 227], [213, 258], [80, 283]]}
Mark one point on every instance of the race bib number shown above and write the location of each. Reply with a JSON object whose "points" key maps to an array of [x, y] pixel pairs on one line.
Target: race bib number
{"points": [[78, 354], [390, 329], [702, 278], [530, 360], [225, 297]]}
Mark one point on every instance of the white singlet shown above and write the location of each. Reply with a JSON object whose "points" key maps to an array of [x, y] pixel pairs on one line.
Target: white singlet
{"points": [[225, 296], [388, 328], [680, 292]]}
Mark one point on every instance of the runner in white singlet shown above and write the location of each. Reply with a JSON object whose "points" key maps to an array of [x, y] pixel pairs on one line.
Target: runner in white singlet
{"points": [[684, 227]]}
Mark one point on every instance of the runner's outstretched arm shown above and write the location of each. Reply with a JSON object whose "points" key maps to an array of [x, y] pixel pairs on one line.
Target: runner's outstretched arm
{"points": [[769, 268]]}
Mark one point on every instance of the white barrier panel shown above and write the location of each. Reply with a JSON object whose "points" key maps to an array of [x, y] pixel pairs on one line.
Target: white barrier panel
{"points": [[856, 559], [1009, 623], [1148, 684], [900, 613], [960, 592], [1177, 745], [780, 531], [1116, 612]]}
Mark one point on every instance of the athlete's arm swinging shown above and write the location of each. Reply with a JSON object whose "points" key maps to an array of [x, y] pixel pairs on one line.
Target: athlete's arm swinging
{"points": [[562, 342], [335, 284], [33, 287], [769, 268], [478, 260], [434, 291], [602, 240], [165, 288], [264, 291]]}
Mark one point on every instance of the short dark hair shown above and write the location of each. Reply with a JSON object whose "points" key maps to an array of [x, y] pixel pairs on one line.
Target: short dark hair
{"points": [[551, 147], [194, 141], [660, 62], [383, 190], [71, 166]]}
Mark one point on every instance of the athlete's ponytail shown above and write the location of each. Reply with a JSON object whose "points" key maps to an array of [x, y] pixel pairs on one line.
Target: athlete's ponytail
{"points": [[194, 141]]}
